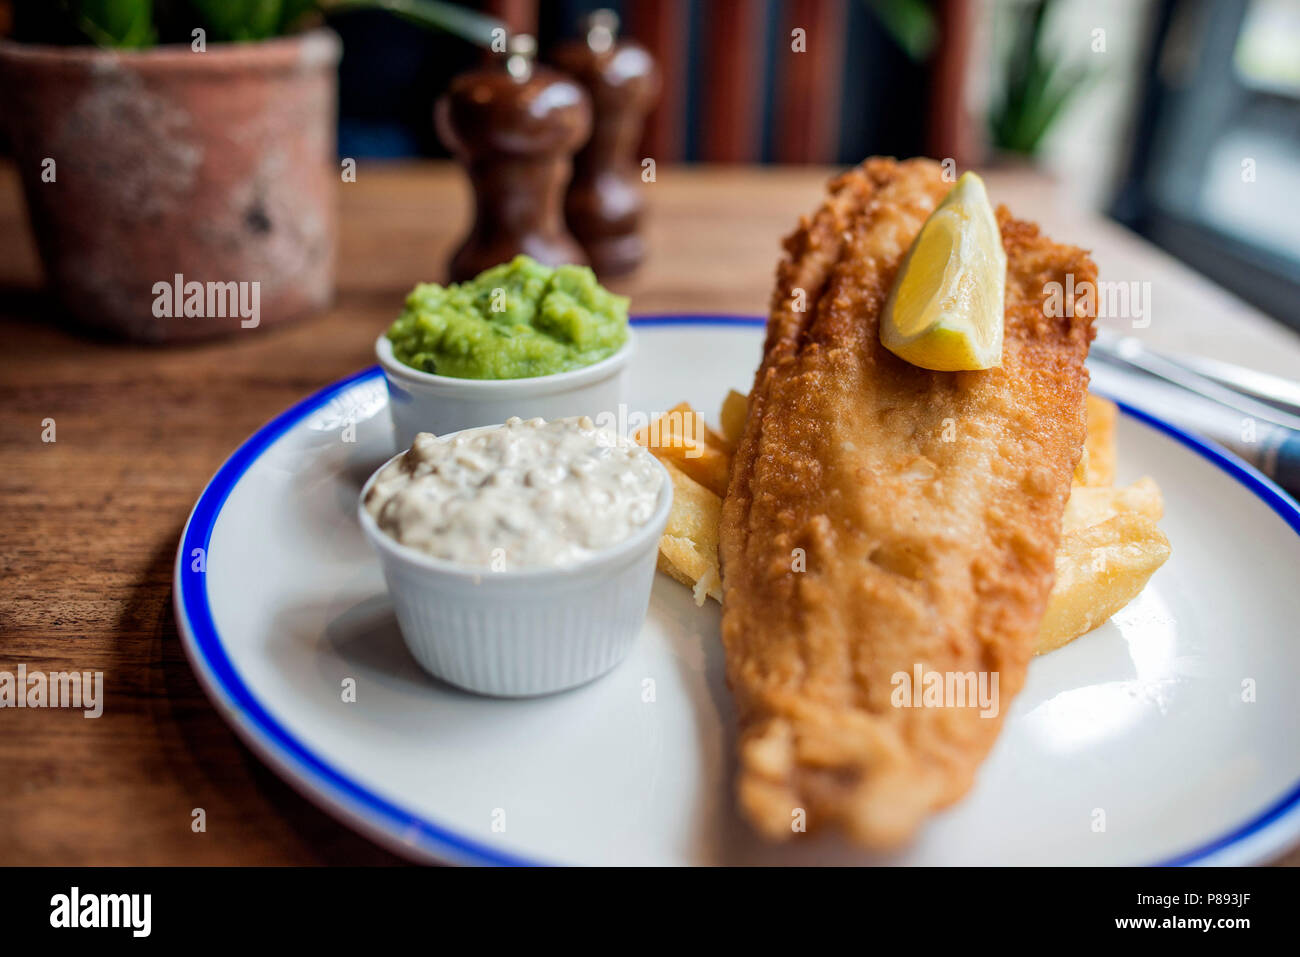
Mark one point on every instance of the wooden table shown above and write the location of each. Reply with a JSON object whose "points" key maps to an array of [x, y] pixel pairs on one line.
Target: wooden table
{"points": [[89, 524]]}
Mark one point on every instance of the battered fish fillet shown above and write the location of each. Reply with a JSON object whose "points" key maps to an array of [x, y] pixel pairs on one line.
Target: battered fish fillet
{"points": [[881, 516]]}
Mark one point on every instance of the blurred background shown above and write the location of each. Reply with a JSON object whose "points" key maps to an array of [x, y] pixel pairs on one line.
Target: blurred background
{"points": [[1161, 113], [1153, 119]]}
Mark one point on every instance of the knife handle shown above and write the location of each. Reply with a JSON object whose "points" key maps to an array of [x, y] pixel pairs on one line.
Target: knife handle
{"points": [[1286, 468]]}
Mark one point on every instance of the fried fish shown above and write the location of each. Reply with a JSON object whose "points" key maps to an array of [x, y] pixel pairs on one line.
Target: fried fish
{"points": [[882, 520]]}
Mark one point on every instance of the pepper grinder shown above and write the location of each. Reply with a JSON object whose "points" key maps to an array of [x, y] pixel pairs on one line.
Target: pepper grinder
{"points": [[605, 200], [515, 126]]}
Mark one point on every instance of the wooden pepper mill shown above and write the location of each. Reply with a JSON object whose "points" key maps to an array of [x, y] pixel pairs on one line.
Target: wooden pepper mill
{"points": [[606, 197], [515, 126]]}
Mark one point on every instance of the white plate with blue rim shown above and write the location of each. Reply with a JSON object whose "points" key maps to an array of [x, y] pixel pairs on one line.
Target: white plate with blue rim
{"points": [[1169, 735]]}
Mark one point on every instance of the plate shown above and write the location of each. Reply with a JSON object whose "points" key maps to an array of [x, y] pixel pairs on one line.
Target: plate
{"points": [[1168, 735]]}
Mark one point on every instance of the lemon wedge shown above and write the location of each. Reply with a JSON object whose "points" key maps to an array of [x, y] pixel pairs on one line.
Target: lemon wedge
{"points": [[945, 311]]}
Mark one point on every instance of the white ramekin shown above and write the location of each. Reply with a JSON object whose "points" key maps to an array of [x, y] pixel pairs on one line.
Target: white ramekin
{"points": [[424, 402], [526, 632]]}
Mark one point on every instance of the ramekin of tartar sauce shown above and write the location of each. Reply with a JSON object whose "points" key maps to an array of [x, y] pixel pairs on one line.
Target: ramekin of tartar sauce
{"points": [[519, 557]]}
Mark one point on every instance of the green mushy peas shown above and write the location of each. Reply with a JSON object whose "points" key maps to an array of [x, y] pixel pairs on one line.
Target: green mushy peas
{"points": [[512, 321]]}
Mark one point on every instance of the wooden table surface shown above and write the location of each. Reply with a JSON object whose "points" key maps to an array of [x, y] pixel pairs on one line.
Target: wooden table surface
{"points": [[89, 524]]}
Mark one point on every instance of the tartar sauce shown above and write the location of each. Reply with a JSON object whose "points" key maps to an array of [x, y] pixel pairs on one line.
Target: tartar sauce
{"points": [[529, 493]]}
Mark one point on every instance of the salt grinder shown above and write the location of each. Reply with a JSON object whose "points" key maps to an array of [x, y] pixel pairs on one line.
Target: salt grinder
{"points": [[606, 198], [515, 126]]}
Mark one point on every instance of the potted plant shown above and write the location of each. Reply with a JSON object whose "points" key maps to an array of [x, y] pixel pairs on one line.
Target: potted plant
{"points": [[178, 156], [1038, 84]]}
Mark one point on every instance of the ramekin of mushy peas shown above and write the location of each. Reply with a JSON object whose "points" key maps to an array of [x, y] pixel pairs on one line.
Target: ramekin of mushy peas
{"points": [[519, 557], [519, 339]]}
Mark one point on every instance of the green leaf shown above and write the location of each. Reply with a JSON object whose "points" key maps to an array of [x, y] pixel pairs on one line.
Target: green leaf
{"points": [[115, 23], [1052, 103], [911, 24], [477, 28], [229, 21], [131, 23], [1037, 86]]}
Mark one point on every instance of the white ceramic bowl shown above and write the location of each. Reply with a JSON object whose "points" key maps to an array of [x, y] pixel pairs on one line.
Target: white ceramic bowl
{"points": [[526, 632], [425, 402]]}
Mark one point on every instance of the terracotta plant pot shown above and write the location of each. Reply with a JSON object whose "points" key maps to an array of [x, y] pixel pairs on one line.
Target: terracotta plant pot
{"points": [[142, 166]]}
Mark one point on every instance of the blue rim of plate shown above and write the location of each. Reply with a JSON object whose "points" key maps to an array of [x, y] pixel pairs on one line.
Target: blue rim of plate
{"points": [[404, 830]]}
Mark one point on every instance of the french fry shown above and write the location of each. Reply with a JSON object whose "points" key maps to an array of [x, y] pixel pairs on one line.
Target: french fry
{"points": [[1099, 570], [680, 436], [1099, 445], [1110, 547], [1080, 476], [1092, 505], [735, 409], [688, 550]]}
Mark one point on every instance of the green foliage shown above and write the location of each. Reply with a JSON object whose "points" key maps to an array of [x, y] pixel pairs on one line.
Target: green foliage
{"points": [[1038, 86], [911, 23], [113, 23], [241, 20], [140, 23], [469, 25]]}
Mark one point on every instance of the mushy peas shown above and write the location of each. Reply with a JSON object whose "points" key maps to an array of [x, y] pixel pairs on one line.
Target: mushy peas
{"points": [[513, 321]]}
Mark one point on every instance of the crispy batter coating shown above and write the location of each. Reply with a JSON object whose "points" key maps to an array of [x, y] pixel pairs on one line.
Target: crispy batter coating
{"points": [[881, 516]]}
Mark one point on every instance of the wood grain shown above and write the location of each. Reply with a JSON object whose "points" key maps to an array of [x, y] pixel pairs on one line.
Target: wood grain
{"points": [[89, 523]]}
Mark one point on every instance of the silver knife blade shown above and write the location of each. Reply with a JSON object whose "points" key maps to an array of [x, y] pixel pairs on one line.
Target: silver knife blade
{"points": [[1273, 389], [1129, 351]]}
